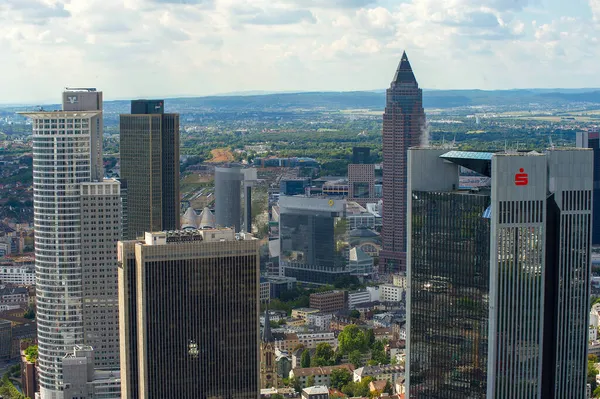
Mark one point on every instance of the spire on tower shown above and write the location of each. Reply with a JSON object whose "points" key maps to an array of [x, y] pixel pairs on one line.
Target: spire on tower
{"points": [[404, 73], [267, 336]]}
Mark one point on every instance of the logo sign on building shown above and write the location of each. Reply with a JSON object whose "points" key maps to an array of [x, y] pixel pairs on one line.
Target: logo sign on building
{"points": [[72, 99], [521, 178]]}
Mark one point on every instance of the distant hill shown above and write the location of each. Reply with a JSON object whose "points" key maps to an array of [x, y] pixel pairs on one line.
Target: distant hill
{"points": [[376, 100], [372, 100]]}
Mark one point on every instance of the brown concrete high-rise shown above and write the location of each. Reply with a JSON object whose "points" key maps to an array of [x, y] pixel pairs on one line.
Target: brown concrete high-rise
{"points": [[403, 125]]}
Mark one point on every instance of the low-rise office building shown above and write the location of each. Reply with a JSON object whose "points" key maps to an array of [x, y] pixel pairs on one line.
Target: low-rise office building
{"points": [[329, 301]]}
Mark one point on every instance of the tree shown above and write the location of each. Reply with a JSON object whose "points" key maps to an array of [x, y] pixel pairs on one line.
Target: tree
{"points": [[323, 355], [277, 396], [355, 357], [31, 353], [388, 388], [305, 359], [370, 337], [29, 313], [310, 381], [596, 393], [340, 377], [355, 314], [352, 338]]}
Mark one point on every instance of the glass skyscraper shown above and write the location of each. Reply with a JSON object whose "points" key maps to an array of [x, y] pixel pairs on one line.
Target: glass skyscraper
{"points": [[498, 295], [307, 234], [149, 153]]}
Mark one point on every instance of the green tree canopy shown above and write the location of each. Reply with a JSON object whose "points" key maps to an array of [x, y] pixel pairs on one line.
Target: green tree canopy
{"points": [[340, 377], [305, 359], [323, 355], [352, 338], [355, 357]]}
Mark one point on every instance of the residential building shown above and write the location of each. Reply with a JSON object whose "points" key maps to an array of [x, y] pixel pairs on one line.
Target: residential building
{"points": [[308, 250], [387, 372], [67, 154], [287, 343], [18, 275], [171, 322], [391, 293], [149, 154], [496, 259], [303, 312], [591, 139], [82, 381], [328, 301], [265, 290], [321, 375], [403, 126], [320, 320], [311, 340], [13, 296], [315, 392]]}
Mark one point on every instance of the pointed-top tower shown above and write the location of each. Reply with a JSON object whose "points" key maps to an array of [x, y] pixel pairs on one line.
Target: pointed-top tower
{"points": [[268, 371], [267, 336], [403, 124], [404, 73]]}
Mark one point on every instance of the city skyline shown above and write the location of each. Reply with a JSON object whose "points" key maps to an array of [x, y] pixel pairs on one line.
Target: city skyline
{"points": [[507, 45]]}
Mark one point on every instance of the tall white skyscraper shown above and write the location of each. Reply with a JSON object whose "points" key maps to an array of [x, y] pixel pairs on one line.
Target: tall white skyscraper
{"points": [[67, 167]]}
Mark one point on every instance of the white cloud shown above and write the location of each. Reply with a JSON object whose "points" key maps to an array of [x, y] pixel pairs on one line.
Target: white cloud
{"points": [[133, 48]]}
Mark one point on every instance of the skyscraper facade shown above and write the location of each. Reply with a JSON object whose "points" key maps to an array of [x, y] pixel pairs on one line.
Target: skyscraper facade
{"points": [[67, 158], [100, 231], [591, 139], [403, 126], [149, 151], [449, 275], [307, 234], [194, 315], [515, 273], [232, 184]]}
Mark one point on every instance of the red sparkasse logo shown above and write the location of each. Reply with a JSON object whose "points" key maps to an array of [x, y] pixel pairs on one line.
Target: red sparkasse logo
{"points": [[521, 178]]}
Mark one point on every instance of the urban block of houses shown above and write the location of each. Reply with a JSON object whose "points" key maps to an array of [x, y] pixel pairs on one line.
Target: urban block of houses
{"points": [[388, 372], [321, 375]]}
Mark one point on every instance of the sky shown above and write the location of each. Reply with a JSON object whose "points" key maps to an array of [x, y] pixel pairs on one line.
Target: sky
{"points": [[167, 48]]}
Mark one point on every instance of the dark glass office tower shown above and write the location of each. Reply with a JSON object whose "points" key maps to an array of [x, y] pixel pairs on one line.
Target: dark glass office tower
{"points": [[308, 239], [516, 271], [403, 124], [194, 315], [149, 150], [449, 276], [591, 139]]}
